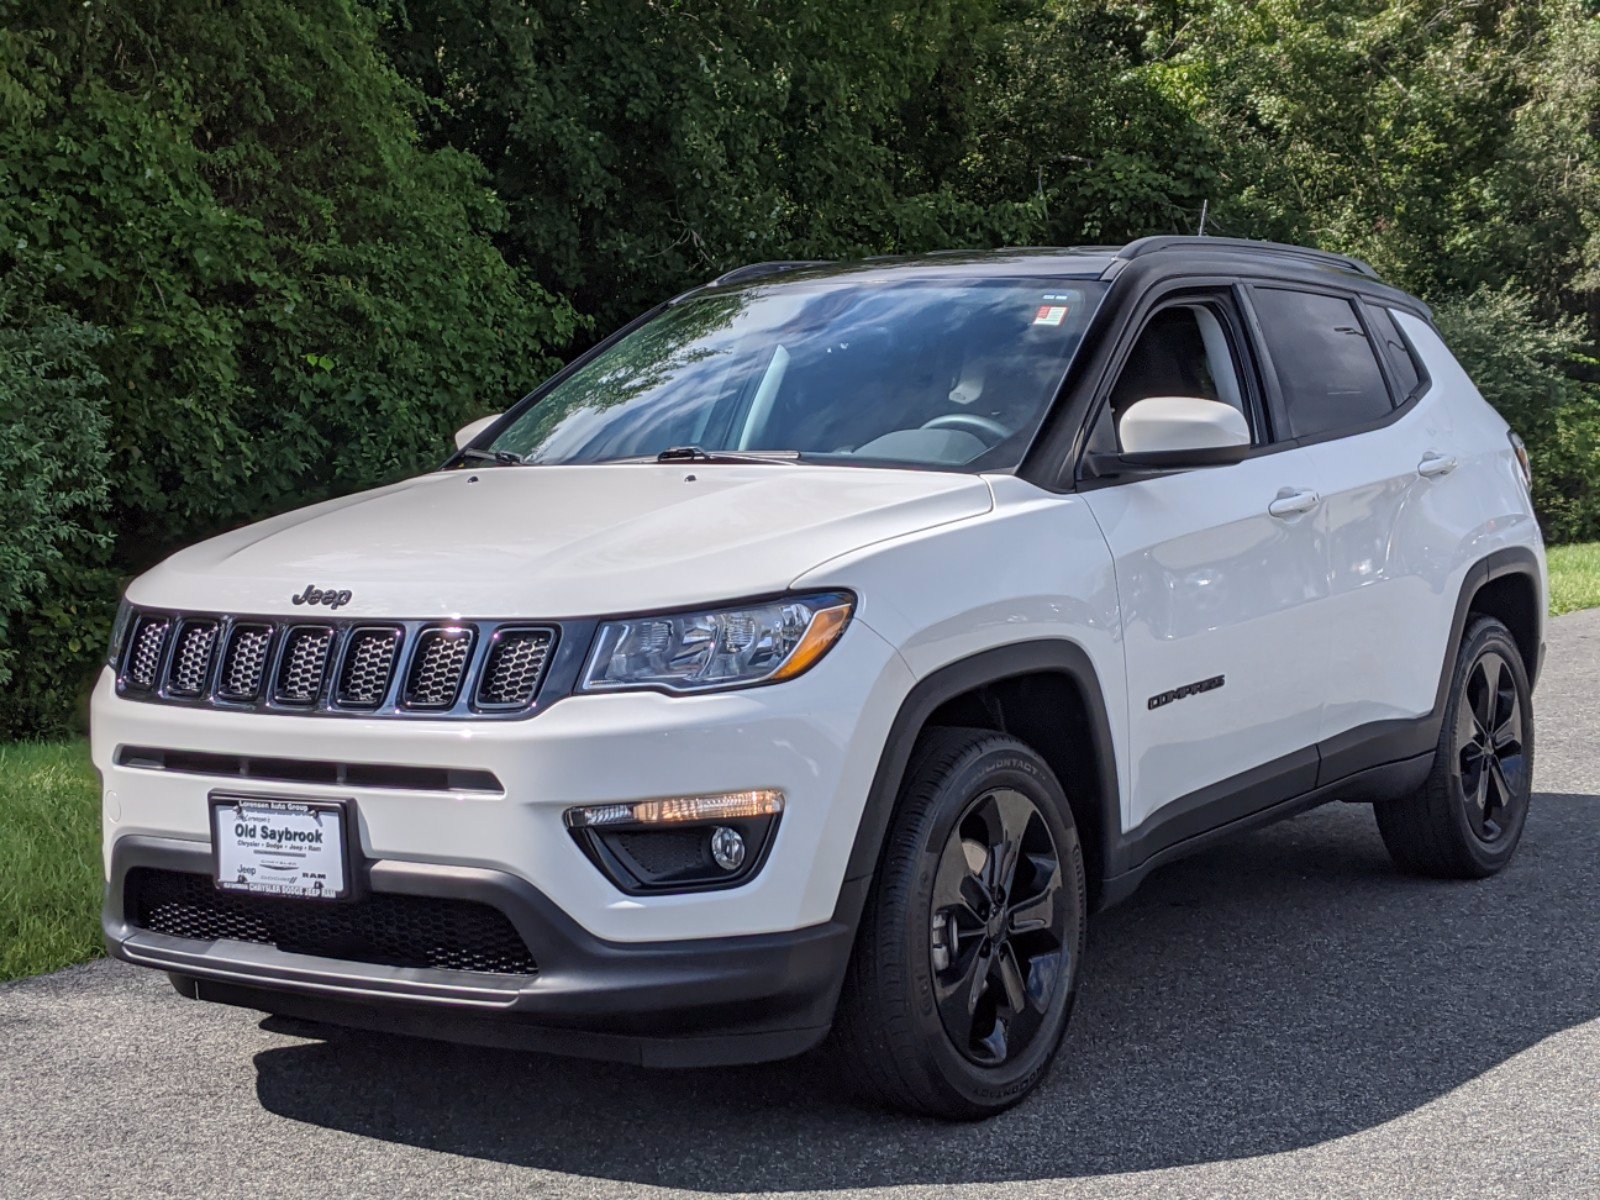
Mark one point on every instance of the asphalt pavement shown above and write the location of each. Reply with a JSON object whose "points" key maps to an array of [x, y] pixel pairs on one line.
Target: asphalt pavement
{"points": [[1280, 1017]]}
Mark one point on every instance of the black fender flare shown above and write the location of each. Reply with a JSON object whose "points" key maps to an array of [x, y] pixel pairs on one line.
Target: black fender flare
{"points": [[1048, 655], [1513, 560]]}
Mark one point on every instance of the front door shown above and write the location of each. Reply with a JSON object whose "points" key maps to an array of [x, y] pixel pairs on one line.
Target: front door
{"points": [[1220, 572]]}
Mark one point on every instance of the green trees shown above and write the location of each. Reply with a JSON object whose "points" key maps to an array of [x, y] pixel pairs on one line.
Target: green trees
{"points": [[1454, 145], [1521, 362], [54, 594], [287, 296], [257, 253], [640, 147]]}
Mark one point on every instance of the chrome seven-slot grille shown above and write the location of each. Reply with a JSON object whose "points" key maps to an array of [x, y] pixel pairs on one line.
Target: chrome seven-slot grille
{"points": [[353, 667]]}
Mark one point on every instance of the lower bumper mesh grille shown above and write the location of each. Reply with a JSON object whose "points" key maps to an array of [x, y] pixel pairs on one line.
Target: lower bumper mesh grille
{"points": [[381, 928]]}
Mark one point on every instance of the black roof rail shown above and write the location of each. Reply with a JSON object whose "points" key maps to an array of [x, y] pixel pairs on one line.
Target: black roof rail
{"points": [[1078, 250], [758, 270], [1163, 242]]}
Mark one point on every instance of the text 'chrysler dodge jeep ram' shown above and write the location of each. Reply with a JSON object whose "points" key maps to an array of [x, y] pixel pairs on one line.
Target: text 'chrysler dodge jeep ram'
{"points": [[813, 656]]}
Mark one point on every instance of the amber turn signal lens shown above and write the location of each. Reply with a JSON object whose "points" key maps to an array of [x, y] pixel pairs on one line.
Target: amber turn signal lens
{"points": [[826, 626], [679, 810]]}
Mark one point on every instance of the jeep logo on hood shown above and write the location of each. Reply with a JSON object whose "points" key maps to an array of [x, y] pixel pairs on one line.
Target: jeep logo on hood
{"points": [[315, 595]]}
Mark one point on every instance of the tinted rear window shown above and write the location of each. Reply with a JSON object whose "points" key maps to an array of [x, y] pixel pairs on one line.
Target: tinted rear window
{"points": [[1325, 365]]}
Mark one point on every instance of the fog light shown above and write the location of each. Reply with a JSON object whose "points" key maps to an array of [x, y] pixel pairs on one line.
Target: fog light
{"points": [[679, 843], [727, 848]]}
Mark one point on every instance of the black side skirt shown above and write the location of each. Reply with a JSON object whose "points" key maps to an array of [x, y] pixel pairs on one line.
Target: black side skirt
{"points": [[1374, 762]]}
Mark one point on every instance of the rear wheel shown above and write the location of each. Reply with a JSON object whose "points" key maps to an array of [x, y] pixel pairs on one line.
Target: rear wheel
{"points": [[967, 960], [1466, 820]]}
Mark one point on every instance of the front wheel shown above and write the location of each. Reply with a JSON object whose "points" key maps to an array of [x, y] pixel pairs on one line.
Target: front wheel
{"points": [[1466, 820], [966, 964]]}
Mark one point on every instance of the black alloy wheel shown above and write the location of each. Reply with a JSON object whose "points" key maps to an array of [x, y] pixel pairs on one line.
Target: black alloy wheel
{"points": [[1493, 770], [1466, 819], [998, 914], [966, 965]]}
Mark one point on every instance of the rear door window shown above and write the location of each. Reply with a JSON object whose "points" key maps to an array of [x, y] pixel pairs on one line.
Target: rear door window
{"points": [[1327, 369]]}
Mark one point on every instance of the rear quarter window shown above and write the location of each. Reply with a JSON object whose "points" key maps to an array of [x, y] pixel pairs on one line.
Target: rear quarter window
{"points": [[1403, 364], [1327, 370]]}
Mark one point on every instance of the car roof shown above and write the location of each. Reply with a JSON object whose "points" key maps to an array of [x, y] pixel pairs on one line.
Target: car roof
{"points": [[1161, 255]]}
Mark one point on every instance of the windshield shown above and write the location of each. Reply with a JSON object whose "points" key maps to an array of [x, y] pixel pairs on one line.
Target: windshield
{"points": [[954, 374]]}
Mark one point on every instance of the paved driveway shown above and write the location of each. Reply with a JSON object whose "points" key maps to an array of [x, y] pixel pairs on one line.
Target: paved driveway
{"points": [[1280, 1017]]}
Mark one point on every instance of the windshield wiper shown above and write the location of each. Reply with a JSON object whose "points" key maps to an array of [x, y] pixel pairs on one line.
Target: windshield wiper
{"points": [[500, 458], [696, 454]]}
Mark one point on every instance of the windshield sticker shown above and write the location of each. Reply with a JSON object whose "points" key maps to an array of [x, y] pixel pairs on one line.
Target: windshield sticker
{"points": [[1050, 314]]}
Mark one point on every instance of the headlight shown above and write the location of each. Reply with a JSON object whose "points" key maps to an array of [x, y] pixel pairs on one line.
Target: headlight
{"points": [[119, 634], [718, 648]]}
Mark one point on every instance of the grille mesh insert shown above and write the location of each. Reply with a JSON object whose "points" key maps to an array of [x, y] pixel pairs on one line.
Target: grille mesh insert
{"points": [[144, 656], [368, 664], [191, 658], [382, 928], [304, 664], [516, 663], [244, 662], [437, 668]]}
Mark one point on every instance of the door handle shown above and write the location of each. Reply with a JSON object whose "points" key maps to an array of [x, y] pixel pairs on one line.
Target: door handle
{"points": [[1436, 464], [1291, 503]]}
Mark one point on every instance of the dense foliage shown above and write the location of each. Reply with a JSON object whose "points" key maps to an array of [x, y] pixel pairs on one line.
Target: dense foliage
{"points": [[258, 252], [287, 295], [639, 146], [54, 595]]}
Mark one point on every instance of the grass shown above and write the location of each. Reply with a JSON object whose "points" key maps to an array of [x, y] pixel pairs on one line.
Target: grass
{"points": [[50, 821], [49, 858], [1574, 577]]}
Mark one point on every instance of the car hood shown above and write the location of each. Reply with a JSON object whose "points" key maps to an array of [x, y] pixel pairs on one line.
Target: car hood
{"points": [[553, 542]]}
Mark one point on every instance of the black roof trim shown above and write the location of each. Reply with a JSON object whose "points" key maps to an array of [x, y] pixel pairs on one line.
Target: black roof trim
{"points": [[1169, 242]]}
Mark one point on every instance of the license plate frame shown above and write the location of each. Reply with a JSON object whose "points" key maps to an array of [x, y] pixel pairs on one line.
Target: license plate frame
{"points": [[234, 868]]}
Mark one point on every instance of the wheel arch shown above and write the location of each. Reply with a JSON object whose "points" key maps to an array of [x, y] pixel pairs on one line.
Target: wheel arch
{"points": [[1044, 692], [1505, 585]]}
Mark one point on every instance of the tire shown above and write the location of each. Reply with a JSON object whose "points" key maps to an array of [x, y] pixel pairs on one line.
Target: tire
{"points": [[966, 964], [1467, 818]]}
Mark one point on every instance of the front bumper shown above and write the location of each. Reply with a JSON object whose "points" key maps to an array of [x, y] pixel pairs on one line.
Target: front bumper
{"points": [[679, 1003], [746, 973], [817, 739]]}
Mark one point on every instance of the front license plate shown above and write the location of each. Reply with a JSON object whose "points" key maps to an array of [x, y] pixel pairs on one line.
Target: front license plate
{"points": [[280, 847]]}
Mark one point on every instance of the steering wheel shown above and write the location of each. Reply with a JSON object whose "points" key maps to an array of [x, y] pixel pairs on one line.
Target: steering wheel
{"points": [[987, 429]]}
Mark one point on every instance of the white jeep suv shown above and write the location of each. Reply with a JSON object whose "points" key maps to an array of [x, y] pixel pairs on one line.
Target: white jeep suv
{"points": [[820, 650]]}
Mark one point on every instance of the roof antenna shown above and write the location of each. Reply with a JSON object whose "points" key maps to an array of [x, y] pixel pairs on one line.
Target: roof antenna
{"points": [[1204, 205]]}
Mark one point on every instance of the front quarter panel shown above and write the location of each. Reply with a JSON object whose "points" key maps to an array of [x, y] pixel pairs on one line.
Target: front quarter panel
{"points": [[1036, 567]]}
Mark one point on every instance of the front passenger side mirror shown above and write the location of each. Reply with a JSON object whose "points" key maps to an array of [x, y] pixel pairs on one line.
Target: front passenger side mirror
{"points": [[1176, 432]]}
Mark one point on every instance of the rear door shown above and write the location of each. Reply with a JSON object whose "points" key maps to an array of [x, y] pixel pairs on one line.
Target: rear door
{"points": [[1352, 391], [1224, 647]]}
